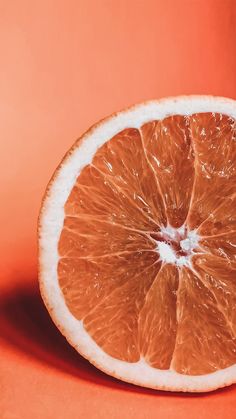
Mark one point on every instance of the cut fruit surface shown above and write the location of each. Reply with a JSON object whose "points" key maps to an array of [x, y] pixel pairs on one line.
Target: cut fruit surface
{"points": [[137, 239]]}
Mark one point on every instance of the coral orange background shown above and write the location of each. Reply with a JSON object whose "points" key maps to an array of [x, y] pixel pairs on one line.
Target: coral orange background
{"points": [[63, 66]]}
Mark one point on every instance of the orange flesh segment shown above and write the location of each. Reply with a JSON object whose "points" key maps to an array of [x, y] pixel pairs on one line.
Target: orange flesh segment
{"points": [[180, 170], [204, 341], [169, 149], [219, 277], [157, 319], [222, 220], [85, 282], [223, 245], [115, 326], [123, 163], [215, 175]]}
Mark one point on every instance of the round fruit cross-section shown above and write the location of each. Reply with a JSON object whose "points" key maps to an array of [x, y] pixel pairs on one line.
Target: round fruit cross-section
{"points": [[137, 239]]}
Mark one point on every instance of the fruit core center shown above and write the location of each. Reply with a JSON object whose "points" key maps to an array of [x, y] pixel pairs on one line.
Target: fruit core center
{"points": [[175, 245]]}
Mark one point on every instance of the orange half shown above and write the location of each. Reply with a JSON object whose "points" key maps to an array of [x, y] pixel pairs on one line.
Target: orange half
{"points": [[137, 239]]}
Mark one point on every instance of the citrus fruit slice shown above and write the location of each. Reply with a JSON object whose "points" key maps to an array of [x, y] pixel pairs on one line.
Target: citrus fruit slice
{"points": [[137, 238]]}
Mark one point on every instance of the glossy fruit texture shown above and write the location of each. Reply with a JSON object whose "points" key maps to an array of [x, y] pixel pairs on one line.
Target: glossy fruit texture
{"points": [[147, 251]]}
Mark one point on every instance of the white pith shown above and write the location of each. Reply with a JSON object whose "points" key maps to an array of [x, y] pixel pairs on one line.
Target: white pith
{"points": [[187, 244], [166, 253], [51, 223]]}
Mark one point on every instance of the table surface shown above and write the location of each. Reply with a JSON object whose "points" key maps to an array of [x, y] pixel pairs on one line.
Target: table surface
{"points": [[64, 65]]}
